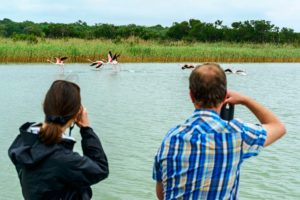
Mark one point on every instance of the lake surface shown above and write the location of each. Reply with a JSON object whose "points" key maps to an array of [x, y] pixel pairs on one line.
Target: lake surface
{"points": [[131, 108]]}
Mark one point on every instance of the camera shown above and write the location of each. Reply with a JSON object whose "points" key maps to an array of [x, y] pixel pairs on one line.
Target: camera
{"points": [[227, 112]]}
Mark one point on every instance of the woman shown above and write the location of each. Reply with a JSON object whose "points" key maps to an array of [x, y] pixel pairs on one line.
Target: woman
{"points": [[42, 153]]}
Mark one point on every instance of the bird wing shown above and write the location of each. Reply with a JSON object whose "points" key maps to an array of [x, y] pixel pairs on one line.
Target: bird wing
{"points": [[63, 58], [99, 65], [109, 56], [116, 56], [94, 63]]}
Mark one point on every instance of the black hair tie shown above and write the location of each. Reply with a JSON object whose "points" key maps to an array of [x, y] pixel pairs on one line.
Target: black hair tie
{"points": [[56, 119]]}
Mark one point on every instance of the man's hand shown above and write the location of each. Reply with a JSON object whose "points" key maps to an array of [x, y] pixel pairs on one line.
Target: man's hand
{"points": [[235, 98], [159, 190], [275, 128]]}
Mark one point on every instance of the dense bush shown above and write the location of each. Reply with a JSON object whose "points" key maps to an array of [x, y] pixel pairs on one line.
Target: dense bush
{"points": [[253, 31], [31, 39]]}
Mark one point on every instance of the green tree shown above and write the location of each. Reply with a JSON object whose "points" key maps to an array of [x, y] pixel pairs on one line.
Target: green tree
{"points": [[286, 35], [107, 31], [179, 30]]}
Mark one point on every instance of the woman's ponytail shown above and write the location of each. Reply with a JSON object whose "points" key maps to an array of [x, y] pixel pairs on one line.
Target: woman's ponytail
{"points": [[51, 134]]}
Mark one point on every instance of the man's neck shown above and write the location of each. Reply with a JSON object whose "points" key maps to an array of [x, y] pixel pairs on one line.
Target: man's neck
{"points": [[216, 109]]}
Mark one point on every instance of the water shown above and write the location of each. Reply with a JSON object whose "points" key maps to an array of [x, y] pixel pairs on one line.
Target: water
{"points": [[131, 109]]}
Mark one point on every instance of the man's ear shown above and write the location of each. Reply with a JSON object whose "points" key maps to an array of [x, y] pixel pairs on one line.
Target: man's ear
{"points": [[226, 96], [192, 96]]}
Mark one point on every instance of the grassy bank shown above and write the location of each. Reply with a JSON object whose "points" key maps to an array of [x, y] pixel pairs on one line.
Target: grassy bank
{"points": [[135, 50]]}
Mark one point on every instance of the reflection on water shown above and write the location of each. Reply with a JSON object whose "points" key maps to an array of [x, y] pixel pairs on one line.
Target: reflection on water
{"points": [[132, 108]]}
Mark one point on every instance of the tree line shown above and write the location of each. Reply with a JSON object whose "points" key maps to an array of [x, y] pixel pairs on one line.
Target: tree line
{"points": [[250, 31]]}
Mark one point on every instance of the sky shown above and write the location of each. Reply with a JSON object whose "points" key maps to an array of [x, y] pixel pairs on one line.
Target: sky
{"points": [[282, 13]]}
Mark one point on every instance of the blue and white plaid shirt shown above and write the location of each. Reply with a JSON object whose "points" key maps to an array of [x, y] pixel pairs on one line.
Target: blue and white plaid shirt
{"points": [[201, 158]]}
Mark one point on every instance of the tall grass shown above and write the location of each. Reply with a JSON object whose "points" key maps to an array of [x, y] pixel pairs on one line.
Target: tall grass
{"points": [[136, 50]]}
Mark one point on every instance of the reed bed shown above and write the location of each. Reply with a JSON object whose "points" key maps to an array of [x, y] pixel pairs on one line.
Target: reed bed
{"points": [[135, 50]]}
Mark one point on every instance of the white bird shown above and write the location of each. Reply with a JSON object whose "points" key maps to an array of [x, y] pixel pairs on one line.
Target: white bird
{"points": [[112, 59], [58, 61], [241, 72], [233, 71], [98, 63]]}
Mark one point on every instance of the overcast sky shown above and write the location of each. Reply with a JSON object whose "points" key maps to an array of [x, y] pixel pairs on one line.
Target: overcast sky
{"points": [[282, 13]]}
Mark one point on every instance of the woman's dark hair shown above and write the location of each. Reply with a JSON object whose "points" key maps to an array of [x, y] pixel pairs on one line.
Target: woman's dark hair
{"points": [[208, 85], [62, 103]]}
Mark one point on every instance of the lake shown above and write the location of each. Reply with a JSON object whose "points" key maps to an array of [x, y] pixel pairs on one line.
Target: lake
{"points": [[132, 107]]}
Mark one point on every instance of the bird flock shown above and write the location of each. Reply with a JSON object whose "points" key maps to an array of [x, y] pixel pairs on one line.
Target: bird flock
{"points": [[113, 60], [227, 70]]}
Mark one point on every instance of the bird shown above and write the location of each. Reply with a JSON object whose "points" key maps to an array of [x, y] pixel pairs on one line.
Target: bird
{"points": [[233, 71], [98, 63], [228, 70], [241, 72], [187, 66], [112, 59], [59, 61]]}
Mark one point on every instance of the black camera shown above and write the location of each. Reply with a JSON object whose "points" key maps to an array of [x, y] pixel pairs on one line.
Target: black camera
{"points": [[227, 112]]}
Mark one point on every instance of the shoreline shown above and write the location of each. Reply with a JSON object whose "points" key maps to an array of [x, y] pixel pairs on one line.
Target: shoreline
{"points": [[150, 60], [141, 51], [159, 60]]}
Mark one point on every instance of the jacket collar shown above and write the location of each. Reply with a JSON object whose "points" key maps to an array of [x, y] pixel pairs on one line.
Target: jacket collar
{"points": [[30, 135]]}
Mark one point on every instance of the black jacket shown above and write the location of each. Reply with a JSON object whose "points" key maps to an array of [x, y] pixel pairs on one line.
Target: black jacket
{"points": [[56, 172]]}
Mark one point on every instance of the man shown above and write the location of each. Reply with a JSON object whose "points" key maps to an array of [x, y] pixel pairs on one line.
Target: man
{"points": [[201, 158]]}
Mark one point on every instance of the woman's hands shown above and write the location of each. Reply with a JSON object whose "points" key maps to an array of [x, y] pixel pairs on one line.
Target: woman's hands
{"points": [[82, 119]]}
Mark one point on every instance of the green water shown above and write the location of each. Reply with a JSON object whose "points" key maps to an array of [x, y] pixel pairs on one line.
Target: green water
{"points": [[132, 108]]}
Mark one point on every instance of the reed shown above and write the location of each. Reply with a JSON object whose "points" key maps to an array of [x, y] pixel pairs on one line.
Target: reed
{"points": [[136, 50]]}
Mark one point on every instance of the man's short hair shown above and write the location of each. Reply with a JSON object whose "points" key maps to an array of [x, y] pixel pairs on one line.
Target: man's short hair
{"points": [[208, 85]]}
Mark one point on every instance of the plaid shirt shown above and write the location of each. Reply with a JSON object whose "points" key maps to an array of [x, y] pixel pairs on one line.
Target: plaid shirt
{"points": [[201, 158]]}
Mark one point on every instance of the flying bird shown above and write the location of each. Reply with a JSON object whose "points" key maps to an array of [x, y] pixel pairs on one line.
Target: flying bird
{"points": [[187, 66], [228, 70], [241, 72], [233, 71], [97, 64], [58, 60], [112, 59]]}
